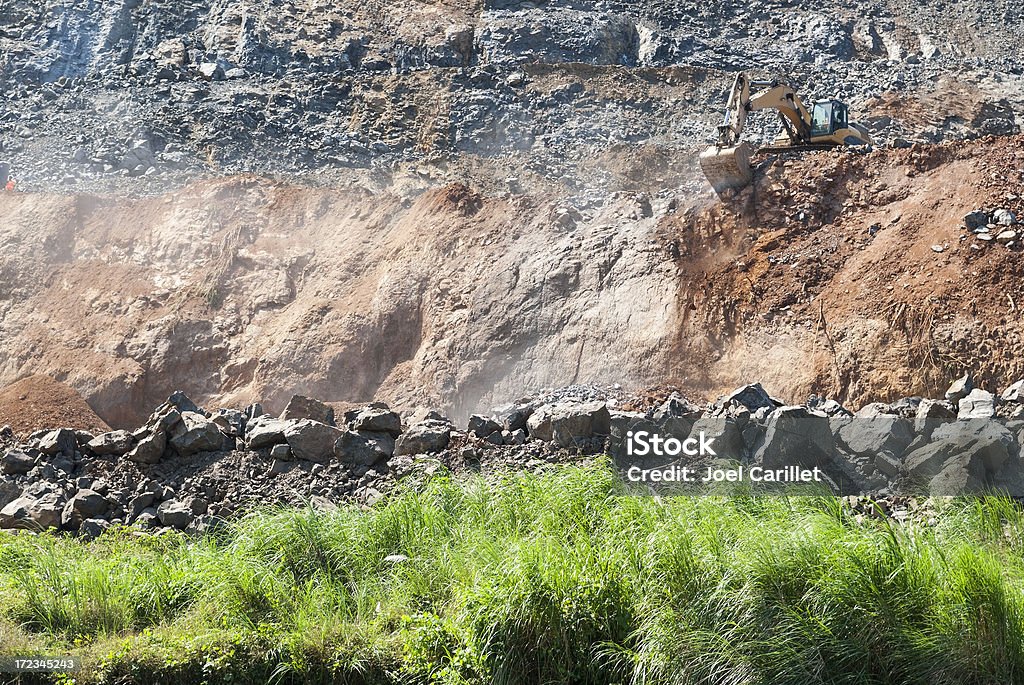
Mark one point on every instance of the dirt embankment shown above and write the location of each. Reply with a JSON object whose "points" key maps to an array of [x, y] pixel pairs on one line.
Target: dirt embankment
{"points": [[856, 277], [840, 274]]}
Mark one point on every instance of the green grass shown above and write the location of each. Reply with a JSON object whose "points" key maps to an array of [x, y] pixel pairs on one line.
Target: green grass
{"points": [[554, 578]]}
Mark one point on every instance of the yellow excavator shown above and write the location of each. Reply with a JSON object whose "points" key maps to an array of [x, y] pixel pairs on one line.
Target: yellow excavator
{"points": [[727, 163]]}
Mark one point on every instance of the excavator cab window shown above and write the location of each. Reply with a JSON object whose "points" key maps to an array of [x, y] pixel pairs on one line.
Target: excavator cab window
{"points": [[821, 119], [827, 117]]}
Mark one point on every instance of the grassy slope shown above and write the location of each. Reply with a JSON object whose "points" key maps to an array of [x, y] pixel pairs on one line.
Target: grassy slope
{"points": [[535, 579]]}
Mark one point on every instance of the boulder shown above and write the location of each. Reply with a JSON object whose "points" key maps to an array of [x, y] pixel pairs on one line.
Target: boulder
{"points": [[959, 389], [195, 433], [677, 407], [312, 440], [870, 436], [175, 514], [16, 463], [482, 426], [302, 407], [150, 449], [60, 441], [180, 401], [92, 528], [875, 409], [513, 417], [375, 418], [428, 437], [796, 436], [720, 429], [972, 444], [85, 504], [365, 447], [978, 404], [538, 426], [753, 397], [116, 443], [1014, 393], [33, 512], [231, 422], [264, 431], [9, 492], [573, 422]]}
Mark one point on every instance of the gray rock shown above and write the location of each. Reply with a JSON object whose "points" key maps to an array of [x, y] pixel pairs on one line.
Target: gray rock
{"points": [[975, 219], [959, 389], [175, 514], [979, 445], [150, 449], [283, 452], [678, 407], [1014, 393], [365, 447], [140, 503], [375, 418], [888, 464], [977, 404], [753, 397], [60, 441], [312, 440], [9, 491], [720, 429], [117, 443], [85, 504], [180, 401], [873, 410], [231, 422], [90, 529], [16, 463], [196, 433], [573, 422], [211, 71], [513, 417], [302, 407], [264, 431], [796, 436], [1004, 217], [482, 426], [870, 436], [539, 424], [35, 513], [428, 437]]}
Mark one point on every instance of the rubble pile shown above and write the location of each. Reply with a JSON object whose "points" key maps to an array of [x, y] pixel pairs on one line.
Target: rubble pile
{"points": [[188, 468]]}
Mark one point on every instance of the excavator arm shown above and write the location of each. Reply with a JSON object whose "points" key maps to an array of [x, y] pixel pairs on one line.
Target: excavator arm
{"points": [[794, 115]]}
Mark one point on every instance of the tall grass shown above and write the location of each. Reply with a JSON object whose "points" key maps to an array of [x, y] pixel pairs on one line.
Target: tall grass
{"points": [[553, 578]]}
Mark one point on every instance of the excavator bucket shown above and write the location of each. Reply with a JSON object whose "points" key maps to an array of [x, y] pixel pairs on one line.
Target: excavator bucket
{"points": [[727, 168]]}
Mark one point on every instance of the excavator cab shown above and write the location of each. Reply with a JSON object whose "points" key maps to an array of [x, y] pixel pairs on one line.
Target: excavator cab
{"points": [[827, 117]]}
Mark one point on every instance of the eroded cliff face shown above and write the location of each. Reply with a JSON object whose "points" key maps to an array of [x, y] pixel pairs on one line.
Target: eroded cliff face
{"points": [[846, 275], [454, 203]]}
